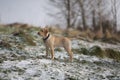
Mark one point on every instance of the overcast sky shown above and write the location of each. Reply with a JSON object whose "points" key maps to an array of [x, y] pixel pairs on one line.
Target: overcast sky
{"points": [[33, 12], [27, 11]]}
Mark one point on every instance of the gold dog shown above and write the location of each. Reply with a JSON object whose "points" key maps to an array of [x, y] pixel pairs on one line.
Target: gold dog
{"points": [[55, 41]]}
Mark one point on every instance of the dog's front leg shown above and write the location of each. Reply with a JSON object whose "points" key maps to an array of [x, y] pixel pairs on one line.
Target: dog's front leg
{"points": [[52, 52], [47, 50]]}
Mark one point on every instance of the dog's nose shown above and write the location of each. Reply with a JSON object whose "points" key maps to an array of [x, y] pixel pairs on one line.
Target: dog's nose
{"points": [[38, 33]]}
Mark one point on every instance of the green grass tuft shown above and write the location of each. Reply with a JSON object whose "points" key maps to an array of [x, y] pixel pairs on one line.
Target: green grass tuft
{"points": [[99, 52], [96, 51], [81, 51]]}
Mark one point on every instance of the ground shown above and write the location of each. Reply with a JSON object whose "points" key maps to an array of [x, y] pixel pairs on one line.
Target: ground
{"points": [[34, 66]]}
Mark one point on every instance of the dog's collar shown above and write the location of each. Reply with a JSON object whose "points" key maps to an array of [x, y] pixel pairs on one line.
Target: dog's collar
{"points": [[44, 39]]}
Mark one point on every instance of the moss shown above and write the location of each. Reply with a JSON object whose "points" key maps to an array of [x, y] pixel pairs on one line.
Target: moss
{"points": [[96, 51]]}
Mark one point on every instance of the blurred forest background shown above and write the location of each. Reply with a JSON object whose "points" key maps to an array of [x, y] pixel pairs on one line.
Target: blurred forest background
{"points": [[89, 19], [96, 18], [88, 13]]}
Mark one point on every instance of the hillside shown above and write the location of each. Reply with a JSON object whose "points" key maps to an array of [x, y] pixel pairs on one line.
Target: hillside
{"points": [[22, 58]]}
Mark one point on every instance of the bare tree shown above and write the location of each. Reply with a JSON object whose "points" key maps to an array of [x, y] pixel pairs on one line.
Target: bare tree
{"points": [[93, 6], [100, 13], [68, 13], [82, 10], [86, 7], [115, 9], [66, 10], [86, 12]]}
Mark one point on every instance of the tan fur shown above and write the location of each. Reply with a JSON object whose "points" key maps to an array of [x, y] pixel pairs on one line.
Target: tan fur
{"points": [[56, 41]]}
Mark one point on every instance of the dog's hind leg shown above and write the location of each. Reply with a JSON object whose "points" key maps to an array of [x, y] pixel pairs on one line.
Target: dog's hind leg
{"points": [[68, 49]]}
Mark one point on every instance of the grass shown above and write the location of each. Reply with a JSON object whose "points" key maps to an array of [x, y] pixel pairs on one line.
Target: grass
{"points": [[99, 52], [81, 51], [75, 33], [5, 44], [23, 32], [110, 53], [27, 37]]}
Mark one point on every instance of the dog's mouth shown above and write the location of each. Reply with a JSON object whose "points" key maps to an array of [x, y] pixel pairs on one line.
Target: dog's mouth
{"points": [[38, 33]]}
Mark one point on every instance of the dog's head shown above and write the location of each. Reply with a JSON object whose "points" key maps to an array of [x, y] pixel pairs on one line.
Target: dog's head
{"points": [[43, 32]]}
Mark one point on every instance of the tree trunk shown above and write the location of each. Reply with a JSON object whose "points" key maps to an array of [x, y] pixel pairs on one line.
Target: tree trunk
{"points": [[68, 14], [93, 20], [115, 16], [83, 14], [99, 14]]}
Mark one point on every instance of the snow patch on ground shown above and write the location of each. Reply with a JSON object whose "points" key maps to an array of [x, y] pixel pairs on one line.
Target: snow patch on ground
{"points": [[45, 61], [83, 67], [23, 64]]}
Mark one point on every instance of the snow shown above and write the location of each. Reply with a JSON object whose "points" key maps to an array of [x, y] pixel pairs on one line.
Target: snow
{"points": [[83, 67], [45, 61], [7, 64], [31, 71], [23, 64], [2, 51], [42, 70]]}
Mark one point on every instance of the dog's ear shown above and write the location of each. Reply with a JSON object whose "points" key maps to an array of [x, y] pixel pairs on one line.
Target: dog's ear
{"points": [[46, 30]]}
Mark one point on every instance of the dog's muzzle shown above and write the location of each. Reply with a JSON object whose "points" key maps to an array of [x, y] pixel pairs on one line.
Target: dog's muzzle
{"points": [[38, 33]]}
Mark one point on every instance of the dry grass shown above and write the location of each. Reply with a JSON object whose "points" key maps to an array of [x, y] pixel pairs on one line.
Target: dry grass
{"points": [[99, 34], [28, 38], [88, 34], [24, 32], [72, 32], [108, 34], [21, 30], [56, 30], [110, 53]]}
